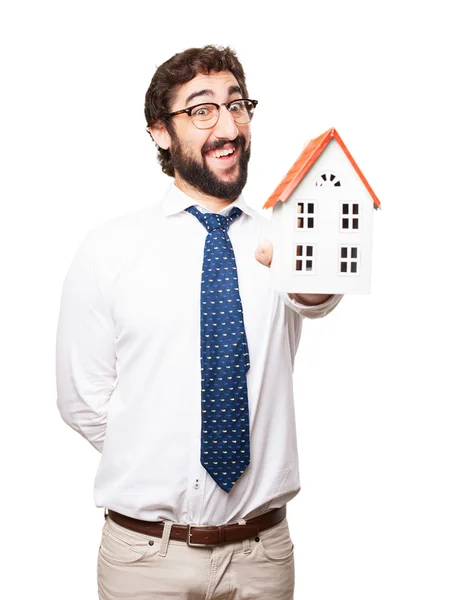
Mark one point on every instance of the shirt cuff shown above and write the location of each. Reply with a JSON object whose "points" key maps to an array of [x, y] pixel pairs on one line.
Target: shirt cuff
{"points": [[312, 312]]}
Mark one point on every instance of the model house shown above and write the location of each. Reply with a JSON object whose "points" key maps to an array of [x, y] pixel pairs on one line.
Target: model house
{"points": [[322, 222]]}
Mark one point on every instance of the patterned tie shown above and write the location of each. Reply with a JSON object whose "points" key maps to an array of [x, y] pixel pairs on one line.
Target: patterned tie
{"points": [[224, 356]]}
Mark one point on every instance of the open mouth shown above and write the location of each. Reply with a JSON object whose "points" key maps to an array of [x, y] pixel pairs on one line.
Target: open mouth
{"points": [[225, 156], [222, 153]]}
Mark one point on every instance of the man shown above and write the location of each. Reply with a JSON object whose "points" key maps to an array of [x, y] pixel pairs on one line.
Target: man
{"points": [[175, 360]]}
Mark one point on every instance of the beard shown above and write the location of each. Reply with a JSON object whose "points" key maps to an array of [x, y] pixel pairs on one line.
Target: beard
{"points": [[199, 176]]}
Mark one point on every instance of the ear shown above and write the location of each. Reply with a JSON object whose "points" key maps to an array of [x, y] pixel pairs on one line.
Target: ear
{"points": [[160, 135]]}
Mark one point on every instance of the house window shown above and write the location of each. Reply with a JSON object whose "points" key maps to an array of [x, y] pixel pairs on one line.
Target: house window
{"points": [[304, 258], [349, 260], [327, 178], [350, 216], [305, 217]]}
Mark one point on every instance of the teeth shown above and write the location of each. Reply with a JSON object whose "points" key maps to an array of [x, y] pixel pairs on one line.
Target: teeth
{"points": [[219, 153]]}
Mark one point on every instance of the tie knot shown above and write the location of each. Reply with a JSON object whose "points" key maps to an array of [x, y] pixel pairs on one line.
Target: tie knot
{"points": [[212, 221]]}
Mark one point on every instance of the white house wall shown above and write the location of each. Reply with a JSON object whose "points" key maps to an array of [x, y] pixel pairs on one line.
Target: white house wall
{"points": [[327, 236]]}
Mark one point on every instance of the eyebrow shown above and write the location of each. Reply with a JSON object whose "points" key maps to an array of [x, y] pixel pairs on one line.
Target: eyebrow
{"points": [[233, 89]]}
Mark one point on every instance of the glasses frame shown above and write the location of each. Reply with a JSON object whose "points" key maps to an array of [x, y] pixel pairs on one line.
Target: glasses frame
{"points": [[188, 111]]}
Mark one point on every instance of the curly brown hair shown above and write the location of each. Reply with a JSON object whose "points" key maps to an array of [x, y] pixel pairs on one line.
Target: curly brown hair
{"points": [[179, 69]]}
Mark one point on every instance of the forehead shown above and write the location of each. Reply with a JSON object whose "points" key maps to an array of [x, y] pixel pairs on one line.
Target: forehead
{"points": [[213, 86]]}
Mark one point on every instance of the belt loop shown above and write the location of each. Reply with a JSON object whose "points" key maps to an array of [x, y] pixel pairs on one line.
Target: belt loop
{"points": [[221, 534], [165, 538], [245, 543]]}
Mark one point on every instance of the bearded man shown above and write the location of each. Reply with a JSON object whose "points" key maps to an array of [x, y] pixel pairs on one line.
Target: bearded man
{"points": [[175, 360]]}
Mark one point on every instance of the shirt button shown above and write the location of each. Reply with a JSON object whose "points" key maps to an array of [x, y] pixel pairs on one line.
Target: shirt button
{"points": [[196, 485]]}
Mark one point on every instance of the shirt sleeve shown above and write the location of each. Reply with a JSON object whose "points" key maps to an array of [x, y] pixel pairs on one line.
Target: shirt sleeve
{"points": [[85, 348], [312, 312]]}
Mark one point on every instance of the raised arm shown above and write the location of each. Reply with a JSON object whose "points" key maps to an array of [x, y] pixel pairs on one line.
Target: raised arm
{"points": [[85, 354]]}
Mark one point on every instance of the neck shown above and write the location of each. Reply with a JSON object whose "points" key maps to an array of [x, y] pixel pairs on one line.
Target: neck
{"points": [[213, 204]]}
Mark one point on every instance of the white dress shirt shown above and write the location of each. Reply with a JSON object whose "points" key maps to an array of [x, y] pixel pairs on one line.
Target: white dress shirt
{"points": [[128, 365]]}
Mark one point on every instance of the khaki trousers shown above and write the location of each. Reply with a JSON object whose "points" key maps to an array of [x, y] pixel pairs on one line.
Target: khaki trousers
{"points": [[140, 567]]}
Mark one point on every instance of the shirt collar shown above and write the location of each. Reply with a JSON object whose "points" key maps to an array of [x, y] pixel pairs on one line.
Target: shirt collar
{"points": [[176, 201]]}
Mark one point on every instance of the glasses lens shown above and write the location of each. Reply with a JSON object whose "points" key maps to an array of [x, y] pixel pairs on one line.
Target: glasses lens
{"points": [[204, 115], [242, 111]]}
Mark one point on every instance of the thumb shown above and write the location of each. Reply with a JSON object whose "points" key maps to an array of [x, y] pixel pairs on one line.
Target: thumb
{"points": [[264, 253]]}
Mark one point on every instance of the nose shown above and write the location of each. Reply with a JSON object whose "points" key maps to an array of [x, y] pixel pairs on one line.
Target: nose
{"points": [[225, 127]]}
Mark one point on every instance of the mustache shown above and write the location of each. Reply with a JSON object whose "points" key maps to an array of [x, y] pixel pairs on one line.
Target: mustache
{"points": [[237, 142]]}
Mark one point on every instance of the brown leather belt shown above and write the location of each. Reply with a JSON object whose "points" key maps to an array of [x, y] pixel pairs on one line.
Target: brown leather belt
{"points": [[198, 534]]}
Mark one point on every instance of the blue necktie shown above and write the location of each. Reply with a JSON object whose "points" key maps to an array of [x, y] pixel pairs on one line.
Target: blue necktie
{"points": [[224, 356]]}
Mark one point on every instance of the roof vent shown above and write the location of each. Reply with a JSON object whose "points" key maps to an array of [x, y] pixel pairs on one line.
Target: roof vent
{"points": [[327, 178]]}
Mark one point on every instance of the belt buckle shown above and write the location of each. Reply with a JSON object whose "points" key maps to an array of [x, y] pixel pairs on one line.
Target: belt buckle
{"points": [[189, 535]]}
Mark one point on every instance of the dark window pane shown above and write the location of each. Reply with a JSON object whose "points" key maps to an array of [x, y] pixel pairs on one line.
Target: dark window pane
{"points": [[337, 184], [345, 209], [308, 265], [298, 250], [300, 207], [310, 222], [353, 252], [355, 223], [300, 222], [353, 267], [343, 267], [355, 209], [344, 252], [323, 177], [310, 208], [309, 251], [345, 223], [332, 177], [299, 265]]}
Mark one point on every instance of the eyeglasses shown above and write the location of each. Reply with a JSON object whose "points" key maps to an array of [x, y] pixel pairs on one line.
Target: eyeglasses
{"points": [[205, 115]]}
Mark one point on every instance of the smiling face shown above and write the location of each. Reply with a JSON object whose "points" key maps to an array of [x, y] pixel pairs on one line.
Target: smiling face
{"points": [[212, 162]]}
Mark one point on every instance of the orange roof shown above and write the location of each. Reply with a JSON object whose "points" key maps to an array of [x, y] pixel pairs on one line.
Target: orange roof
{"points": [[305, 160]]}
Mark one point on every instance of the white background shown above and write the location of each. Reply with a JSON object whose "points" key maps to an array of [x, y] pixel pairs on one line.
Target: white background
{"points": [[371, 520]]}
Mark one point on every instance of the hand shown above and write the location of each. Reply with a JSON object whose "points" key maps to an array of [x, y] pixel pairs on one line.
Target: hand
{"points": [[264, 255]]}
